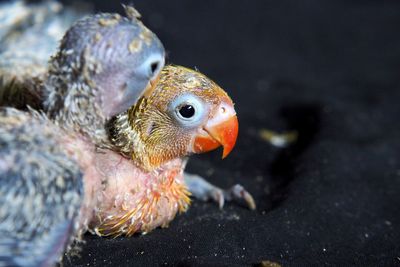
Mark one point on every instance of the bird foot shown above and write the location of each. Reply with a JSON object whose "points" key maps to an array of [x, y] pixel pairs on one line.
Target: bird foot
{"points": [[203, 190]]}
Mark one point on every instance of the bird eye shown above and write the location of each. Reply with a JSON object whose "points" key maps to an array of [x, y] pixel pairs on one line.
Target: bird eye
{"points": [[151, 66], [154, 67], [187, 111]]}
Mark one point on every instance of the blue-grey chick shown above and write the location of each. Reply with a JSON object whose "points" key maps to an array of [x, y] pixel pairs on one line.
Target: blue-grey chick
{"points": [[104, 63]]}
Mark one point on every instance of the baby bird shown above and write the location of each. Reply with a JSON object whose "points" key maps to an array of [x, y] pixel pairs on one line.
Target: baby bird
{"points": [[183, 113], [69, 168], [55, 184], [49, 171]]}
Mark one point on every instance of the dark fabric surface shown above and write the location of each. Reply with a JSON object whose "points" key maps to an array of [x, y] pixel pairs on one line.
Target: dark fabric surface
{"points": [[328, 70]]}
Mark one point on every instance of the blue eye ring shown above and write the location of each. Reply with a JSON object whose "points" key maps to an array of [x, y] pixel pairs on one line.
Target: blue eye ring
{"points": [[188, 110]]}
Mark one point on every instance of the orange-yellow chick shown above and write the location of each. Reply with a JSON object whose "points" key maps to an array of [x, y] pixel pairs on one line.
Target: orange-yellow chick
{"points": [[183, 113]]}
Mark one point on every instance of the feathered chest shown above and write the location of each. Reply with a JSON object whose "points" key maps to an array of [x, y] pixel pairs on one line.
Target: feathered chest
{"points": [[132, 200]]}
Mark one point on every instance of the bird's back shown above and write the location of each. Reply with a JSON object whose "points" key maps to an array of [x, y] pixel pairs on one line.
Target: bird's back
{"points": [[41, 191], [29, 36]]}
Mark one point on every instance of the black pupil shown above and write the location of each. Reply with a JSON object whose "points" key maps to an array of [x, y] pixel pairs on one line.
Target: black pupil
{"points": [[186, 111], [154, 67]]}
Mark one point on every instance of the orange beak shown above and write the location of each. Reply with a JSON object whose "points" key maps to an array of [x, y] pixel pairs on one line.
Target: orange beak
{"points": [[220, 130]]}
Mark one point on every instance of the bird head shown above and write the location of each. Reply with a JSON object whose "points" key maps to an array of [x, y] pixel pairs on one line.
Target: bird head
{"points": [[102, 67], [183, 113]]}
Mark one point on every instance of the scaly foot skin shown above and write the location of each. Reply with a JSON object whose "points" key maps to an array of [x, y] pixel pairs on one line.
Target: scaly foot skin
{"points": [[203, 190]]}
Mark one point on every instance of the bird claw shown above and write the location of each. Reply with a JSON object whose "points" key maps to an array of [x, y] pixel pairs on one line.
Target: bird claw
{"points": [[218, 195], [237, 192], [203, 190]]}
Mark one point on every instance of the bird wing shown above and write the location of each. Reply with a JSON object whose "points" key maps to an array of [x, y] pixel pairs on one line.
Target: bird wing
{"points": [[41, 191]]}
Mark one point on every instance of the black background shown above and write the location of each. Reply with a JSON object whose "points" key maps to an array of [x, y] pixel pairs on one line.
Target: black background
{"points": [[328, 69]]}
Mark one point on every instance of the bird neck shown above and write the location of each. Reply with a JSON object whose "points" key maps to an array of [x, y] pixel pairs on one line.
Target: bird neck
{"points": [[147, 142], [128, 140], [70, 100]]}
